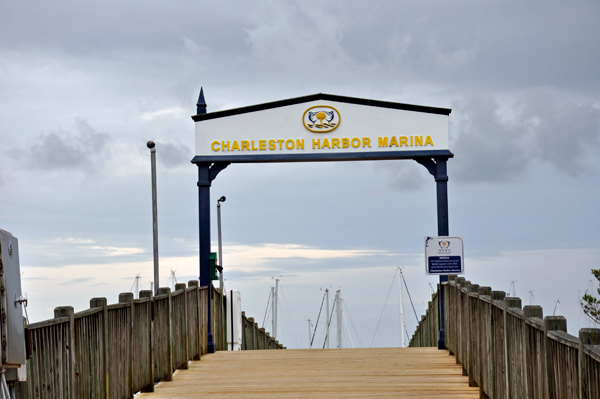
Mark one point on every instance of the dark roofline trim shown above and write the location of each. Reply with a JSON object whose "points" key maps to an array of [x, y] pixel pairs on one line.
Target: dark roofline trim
{"points": [[321, 96], [329, 157]]}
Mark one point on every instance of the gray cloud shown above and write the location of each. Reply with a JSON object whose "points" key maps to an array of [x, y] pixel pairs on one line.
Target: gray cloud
{"points": [[487, 148], [405, 174], [82, 150], [76, 281], [566, 135], [173, 154], [498, 144]]}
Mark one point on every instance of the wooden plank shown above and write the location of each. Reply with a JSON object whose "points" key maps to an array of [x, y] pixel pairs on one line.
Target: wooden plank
{"points": [[332, 373]]}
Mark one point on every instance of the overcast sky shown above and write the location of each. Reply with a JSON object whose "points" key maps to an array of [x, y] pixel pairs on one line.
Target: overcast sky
{"points": [[84, 85]]}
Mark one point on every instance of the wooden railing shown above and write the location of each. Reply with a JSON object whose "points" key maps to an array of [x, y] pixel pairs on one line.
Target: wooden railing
{"points": [[114, 351], [509, 351], [256, 338]]}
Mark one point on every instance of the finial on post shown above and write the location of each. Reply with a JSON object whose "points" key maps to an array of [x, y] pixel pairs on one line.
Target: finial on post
{"points": [[201, 104]]}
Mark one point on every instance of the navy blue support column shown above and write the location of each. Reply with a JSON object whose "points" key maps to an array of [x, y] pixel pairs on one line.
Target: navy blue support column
{"points": [[204, 222], [438, 170], [441, 181], [207, 172]]}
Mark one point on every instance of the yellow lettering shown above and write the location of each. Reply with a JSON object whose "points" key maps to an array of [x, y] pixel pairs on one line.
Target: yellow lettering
{"points": [[403, 141], [245, 145], [316, 143], [366, 142], [357, 140], [213, 146], [418, 140], [335, 143], [262, 145], [253, 147], [280, 141], [411, 141], [224, 145], [326, 143], [299, 144], [345, 142], [287, 144], [382, 141], [428, 140], [272, 144], [393, 141], [235, 146]]}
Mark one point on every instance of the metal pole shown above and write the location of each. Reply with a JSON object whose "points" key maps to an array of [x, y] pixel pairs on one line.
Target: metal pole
{"points": [[338, 304], [151, 146], [309, 336], [402, 342], [275, 308], [222, 199], [272, 309], [327, 324]]}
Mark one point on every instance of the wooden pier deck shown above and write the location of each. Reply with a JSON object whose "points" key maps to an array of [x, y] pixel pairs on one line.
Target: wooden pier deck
{"points": [[327, 373]]}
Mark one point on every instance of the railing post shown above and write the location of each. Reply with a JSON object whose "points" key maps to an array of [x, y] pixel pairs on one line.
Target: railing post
{"points": [[552, 323], [529, 311], [186, 343], [150, 377], [465, 321], [251, 343], [509, 303], [449, 323], [127, 297], [68, 311], [472, 354], [498, 348], [457, 320], [484, 350], [198, 337], [244, 332], [167, 291], [587, 336], [103, 303]]}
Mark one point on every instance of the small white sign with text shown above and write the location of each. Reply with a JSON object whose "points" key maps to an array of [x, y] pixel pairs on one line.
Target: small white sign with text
{"points": [[444, 255]]}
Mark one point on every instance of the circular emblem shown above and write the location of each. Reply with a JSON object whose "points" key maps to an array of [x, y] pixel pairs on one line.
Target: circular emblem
{"points": [[321, 119]]}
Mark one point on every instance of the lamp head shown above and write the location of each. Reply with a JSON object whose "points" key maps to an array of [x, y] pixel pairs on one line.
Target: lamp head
{"points": [[150, 144], [222, 199]]}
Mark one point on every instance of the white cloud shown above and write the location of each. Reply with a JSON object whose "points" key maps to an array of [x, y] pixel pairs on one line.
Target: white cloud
{"points": [[117, 251], [253, 257], [169, 112]]}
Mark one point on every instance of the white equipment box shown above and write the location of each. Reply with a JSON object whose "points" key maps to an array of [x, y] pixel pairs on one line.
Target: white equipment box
{"points": [[234, 321]]}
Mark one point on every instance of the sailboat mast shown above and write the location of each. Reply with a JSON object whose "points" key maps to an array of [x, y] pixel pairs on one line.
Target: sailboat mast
{"points": [[272, 309], [402, 343], [327, 320], [338, 307], [275, 308]]}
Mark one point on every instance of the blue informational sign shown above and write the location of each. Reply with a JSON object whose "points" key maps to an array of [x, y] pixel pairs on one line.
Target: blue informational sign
{"points": [[444, 255]]}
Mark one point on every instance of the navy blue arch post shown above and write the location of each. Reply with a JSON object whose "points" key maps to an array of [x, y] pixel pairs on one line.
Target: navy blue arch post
{"points": [[438, 169], [207, 172]]}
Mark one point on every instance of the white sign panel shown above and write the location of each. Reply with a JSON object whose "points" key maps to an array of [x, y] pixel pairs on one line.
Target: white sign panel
{"points": [[321, 129], [444, 255]]}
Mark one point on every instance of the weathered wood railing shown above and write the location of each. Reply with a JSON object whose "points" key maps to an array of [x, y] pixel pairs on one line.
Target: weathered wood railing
{"points": [[114, 351], [509, 351]]}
